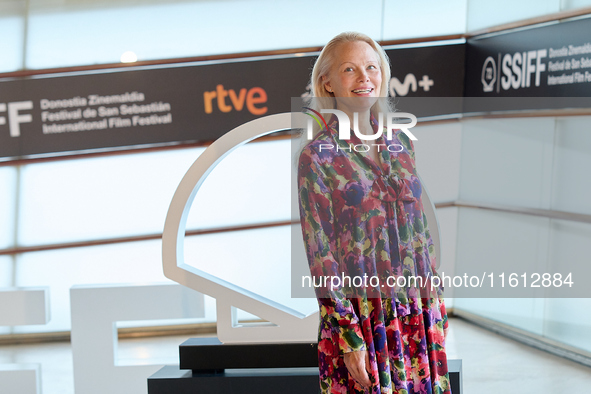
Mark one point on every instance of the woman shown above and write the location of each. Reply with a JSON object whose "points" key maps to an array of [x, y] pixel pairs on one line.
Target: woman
{"points": [[362, 215]]}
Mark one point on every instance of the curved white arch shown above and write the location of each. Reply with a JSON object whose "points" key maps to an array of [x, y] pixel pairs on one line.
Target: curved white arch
{"points": [[287, 325]]}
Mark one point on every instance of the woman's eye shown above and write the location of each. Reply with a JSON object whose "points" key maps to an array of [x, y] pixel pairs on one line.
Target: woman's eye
{"points": [[348, 69], [372, 67]]}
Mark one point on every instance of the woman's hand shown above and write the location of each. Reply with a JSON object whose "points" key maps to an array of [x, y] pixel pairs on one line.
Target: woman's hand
{"points": [[357, 364]]}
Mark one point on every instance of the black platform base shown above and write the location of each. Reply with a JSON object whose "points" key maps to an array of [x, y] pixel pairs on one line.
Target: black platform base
{"points": [[172, 380], [201, 354], [210, 367]]}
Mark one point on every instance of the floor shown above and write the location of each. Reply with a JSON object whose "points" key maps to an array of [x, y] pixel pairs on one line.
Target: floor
{"points": [[491, 363], [494, 364]]}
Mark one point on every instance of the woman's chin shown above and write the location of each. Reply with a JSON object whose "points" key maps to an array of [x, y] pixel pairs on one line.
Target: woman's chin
{"points": [[358, 103]]}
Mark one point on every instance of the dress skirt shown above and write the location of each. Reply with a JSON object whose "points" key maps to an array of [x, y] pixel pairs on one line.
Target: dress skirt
{"points": [[406, 352]]}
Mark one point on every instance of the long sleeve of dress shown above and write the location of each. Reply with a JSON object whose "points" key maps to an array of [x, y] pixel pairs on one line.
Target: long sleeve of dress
{"points": [[316, 213]]}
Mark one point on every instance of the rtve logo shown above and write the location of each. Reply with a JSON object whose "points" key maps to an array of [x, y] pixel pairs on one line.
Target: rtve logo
{"points": [[251, 97], [14, 117]]}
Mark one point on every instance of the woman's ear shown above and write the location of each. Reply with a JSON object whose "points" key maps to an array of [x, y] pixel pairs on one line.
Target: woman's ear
{"points": [[326, 84]]}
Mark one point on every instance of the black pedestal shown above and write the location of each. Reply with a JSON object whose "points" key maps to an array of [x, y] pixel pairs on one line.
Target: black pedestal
{"points": [[172, 380], [208, 366], [202, 354]]}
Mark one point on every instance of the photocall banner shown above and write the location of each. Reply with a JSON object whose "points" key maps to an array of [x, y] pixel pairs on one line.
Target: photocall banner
{"points": [[548, 61], [179, 104], [143, 106]]}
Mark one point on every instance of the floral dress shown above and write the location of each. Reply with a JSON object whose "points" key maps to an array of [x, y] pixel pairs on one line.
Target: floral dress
{"points": [[361, 218]]}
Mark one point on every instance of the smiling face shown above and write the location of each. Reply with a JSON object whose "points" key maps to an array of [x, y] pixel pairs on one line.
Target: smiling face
{"points": [[355, 73]]}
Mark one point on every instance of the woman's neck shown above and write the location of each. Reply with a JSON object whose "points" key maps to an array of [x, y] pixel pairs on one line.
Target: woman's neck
{"points": [[363, 120]]}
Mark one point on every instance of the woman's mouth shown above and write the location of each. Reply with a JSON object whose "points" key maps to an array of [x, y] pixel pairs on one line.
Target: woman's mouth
{"points": [[363, 91]]}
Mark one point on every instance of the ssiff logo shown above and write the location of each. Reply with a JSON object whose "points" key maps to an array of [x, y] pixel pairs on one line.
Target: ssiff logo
{"points": [[344, 131], [489, 74], [514, 70]]}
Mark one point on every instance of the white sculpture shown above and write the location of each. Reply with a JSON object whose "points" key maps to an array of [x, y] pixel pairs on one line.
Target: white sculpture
{"points": [[285, 324]]}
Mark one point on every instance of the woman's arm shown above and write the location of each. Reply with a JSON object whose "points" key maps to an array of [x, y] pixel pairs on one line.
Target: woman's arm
{"points": [[316, 214]]}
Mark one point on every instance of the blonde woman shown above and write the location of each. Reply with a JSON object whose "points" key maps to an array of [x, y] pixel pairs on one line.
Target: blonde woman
{"points": [[362, 216]]}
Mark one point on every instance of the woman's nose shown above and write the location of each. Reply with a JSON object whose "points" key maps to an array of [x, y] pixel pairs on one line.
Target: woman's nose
{"points": [[363, 76]]}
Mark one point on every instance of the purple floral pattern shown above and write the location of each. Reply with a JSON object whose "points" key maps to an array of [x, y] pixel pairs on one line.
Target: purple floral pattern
{"points": [[367, 217]]}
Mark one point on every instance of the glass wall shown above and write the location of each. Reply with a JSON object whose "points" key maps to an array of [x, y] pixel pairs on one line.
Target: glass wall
{"points": [[100, 198], [85, 32], [483, 14], [540, 163], [73, 33], [8, 179], [12, 33], [96, 198]]}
